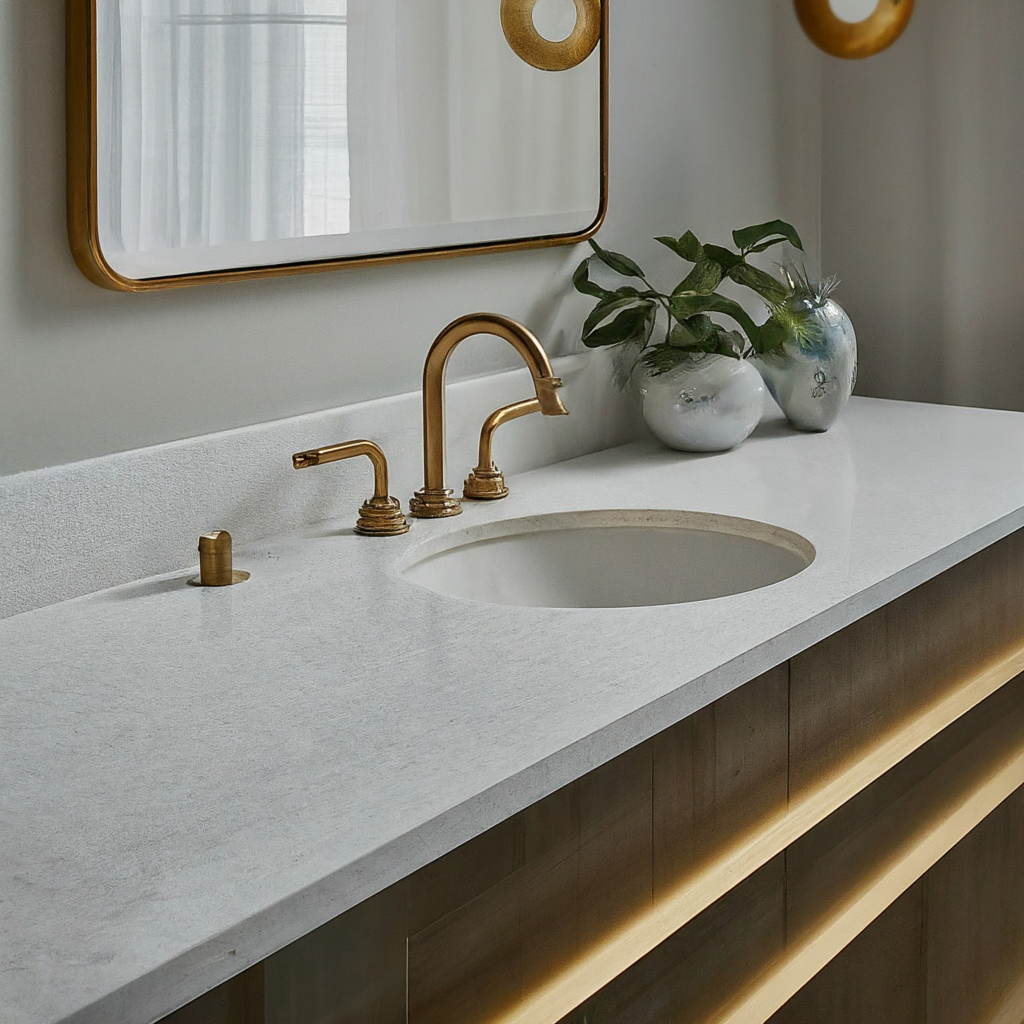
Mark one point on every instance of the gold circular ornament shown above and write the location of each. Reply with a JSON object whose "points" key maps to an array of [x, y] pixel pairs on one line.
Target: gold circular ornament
{"points": [[854, 40], [532, 47]]}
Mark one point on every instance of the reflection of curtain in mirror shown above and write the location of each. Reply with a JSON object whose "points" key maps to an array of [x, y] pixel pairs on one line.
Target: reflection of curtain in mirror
{"points": [[228, 132], [534, 134], [448, 124]]}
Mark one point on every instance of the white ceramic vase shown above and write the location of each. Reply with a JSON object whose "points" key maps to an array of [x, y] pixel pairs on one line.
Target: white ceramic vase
{"points": [[708, 403]]}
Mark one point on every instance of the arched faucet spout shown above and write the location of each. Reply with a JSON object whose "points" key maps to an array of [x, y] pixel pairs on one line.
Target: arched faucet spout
{"points": [[435, 501]]}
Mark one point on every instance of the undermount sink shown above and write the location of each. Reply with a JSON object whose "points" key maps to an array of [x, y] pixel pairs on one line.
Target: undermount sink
{"points": [[609, 559]]}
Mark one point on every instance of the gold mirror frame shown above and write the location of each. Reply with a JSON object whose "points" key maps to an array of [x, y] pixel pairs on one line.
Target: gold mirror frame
{"points": [[82, 191], [854, 40], [532, 47]]}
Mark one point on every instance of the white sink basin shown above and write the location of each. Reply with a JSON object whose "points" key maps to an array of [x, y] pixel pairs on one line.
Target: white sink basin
{"points": [[609, 559]]}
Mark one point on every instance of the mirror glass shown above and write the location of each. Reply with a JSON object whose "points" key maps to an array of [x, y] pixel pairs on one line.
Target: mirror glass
{"points": [[236, 134], [853, 11]]}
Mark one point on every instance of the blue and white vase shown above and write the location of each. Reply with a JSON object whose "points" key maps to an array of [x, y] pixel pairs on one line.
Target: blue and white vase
{"points": [[812, 379]]}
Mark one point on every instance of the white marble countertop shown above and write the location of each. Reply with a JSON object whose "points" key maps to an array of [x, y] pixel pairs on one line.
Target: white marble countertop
{"points": [[192, 779]]}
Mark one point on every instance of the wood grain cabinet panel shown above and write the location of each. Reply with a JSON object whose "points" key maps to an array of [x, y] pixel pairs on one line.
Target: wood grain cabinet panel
{"points": [[718, 774], [349, 971], [615, 840], [864, 681], [686, 979], [467, 966], [878, 979], [238, 1001], [856, 841], [974, 913], [549, 903]]}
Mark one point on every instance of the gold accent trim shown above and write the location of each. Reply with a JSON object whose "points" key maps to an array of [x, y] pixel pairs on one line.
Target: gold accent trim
{"points": [[854, 40], [434, 500], [82, 195], [545, 54], [215, 569], [381, 515], [487, 482]]}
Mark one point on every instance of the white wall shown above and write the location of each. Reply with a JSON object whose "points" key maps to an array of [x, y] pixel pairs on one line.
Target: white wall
{"points": [[923, 205], [702, 137]]}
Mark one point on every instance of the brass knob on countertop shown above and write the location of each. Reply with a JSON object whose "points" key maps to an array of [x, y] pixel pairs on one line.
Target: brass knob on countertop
{"points": [[215, 562]]}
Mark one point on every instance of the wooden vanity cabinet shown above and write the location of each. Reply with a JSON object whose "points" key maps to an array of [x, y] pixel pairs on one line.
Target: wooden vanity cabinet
{"points": [[839, 840]]}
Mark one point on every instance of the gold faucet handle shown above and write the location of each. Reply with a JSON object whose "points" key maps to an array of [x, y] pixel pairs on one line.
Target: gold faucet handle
{"points": [[381, 515], [487, 482]]}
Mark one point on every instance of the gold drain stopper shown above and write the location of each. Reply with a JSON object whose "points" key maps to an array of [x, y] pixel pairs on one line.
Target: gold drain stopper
{"points": [[215, 562]]}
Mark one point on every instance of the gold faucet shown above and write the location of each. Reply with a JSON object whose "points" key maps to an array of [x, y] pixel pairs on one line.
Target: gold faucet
{"points": [[381, 515], [435, 501], [487, 482]]}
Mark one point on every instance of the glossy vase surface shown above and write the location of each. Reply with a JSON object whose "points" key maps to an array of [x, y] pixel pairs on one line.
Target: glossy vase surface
{"points": [[812, 381], [708, 403]]}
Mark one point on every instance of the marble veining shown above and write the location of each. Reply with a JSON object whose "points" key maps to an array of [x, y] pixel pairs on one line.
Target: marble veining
{"points": [[193, 779]]}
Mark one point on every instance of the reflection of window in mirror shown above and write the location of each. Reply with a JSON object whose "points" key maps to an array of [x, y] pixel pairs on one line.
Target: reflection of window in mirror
{"points": [[233, 126], [325, 172], [238, 133]]}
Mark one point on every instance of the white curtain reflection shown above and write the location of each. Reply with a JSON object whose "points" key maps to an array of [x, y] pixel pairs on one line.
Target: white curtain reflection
{"points": [[231, 121], [405, 122], [448, 124]]}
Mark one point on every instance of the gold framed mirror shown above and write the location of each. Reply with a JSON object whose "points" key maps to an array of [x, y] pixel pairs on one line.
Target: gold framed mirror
{"points": [[226, 140], [854, 39]]}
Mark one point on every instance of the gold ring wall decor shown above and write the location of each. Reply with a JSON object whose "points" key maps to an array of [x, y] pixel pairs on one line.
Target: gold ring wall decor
{"points": [[532, 47], [854, 40]]}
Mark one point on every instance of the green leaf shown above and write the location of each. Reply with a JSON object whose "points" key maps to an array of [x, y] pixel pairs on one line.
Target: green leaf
{"points": [[662, 358], [687, 246], [683, 306], [619, 263], [764, 284], [705, 277], [612, 303], [739, 314], [773, 338], [747, 238], [764, 246], [582, 283], [624, 360], [602, 311], [692, 332], [634, 324], [729, 343], [725, 258]]}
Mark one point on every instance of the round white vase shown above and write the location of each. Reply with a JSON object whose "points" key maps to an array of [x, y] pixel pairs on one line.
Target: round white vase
{"points": [[708, 403]]}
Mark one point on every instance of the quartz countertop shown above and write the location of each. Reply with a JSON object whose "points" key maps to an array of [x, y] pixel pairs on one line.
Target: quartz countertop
{"points": [[191, 779]]}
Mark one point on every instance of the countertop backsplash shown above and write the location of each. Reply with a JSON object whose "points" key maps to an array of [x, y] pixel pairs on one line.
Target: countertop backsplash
{"points": [[79, 528]]}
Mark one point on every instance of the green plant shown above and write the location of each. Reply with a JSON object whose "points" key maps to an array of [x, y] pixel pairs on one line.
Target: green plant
{"points": [[629, 315], [806, 294]]}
